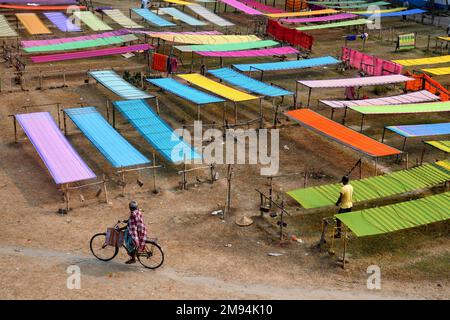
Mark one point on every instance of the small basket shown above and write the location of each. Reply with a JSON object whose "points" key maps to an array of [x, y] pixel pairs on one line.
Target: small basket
{"points": [[114, 237]]}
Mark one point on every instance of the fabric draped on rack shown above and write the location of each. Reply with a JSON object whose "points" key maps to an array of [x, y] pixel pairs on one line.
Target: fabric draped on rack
{"points": [[425, 82], [291, 36], [159, 62], [371, 65]]}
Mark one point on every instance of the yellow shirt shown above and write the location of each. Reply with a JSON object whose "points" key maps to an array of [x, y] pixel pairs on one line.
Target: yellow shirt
{"points": [[347, 197]]}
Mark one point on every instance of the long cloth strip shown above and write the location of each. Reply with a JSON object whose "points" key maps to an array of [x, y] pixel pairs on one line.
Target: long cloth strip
{"points": [[302, 13], [205, 38], [340, 133], [39, 8], [355, 82], [334, 17], [432, 107], [376, 187], [156, 131], [423, 61], [438, 71], [249, 53], [61, 21], [192, 33], [90, 53], [118, 151], [217, 88], [62, 161], [443, 145], [5, 29], [421, 130], [260, 6], [247, 83], [184, 91], [336, 24], [112, 81], [379, 11], [323, 3], [397, 14], [153, 18], [32, 23], [287, 65], [180, 2], [174, 12], [40, 2], [209, 15], [36, 43], [413, 97], [360, 5], [242, 7], [83, 44], [92, 21], [122, 19], [228, 46], [399, 216]]}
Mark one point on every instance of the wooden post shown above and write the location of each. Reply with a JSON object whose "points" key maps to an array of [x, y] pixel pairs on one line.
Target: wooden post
{"points": [[423, 153], [228, 200], [384, 133], [305, 181], [107, 110], [362, 123], [66, 194], [296, 95], [309, 96], [360, 168], [154, 173], [123, 182], [261, 124], [235, 113], [345, 249], [15, 129], [114, 116], [65, 123], [376, 166], [104, 189], [58, 110], [157, 106]]}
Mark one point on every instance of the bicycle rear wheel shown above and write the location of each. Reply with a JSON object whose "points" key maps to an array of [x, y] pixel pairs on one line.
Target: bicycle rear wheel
{"points": [[152, 257], [100, 250]]}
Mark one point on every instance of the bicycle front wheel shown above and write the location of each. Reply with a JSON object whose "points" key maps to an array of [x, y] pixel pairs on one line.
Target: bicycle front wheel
{"points": [[100, 250], [152, 257]]}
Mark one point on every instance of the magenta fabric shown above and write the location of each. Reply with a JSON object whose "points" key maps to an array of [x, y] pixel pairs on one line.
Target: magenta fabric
{"points": [[371, 65], [260, 6], [334, 17], [174, 33], [89, 53], [62, 161], [249, 53], [242, 7], [413, 97], [35, 43], [46, 2]]}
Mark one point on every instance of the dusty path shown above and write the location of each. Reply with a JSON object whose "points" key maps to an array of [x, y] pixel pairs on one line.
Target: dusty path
{"points": [[93, 271]]}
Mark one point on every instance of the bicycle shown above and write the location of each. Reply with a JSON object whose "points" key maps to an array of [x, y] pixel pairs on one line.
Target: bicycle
{"points": [[151, 257]]}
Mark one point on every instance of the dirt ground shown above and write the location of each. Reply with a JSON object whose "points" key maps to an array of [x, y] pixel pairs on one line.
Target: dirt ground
{"points": [[206, 257]]}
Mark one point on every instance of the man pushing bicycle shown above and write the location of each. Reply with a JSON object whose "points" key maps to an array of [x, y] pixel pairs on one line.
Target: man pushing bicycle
{"points": [[135, 232]]}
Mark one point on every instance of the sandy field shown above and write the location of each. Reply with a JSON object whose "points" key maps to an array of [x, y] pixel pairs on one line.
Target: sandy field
{"points": [[207, 257]]}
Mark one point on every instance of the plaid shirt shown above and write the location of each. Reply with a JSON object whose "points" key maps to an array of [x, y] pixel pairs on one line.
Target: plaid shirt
{"points": [[137, 229]]}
